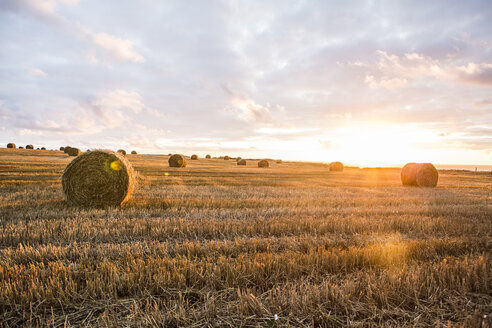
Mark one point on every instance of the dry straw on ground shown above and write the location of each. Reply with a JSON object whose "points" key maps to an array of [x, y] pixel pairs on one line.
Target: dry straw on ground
{"points": [[29, 147], [241, 162], [11, 145], [208, 157], [98, 178], [134, 152], [263, 163], [419, 174], [194, 157], [74, 152], [177, 160], [336, 166], [122, 151]]}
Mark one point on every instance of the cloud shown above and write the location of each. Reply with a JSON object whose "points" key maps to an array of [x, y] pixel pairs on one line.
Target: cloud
{"points": [[386, 84], [36, 71], [480, 74], [395, 71], [111, 107], [120, 49], [248, 109]]}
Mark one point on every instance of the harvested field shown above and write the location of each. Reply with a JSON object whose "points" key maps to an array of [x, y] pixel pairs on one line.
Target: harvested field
{"points": [[214, 244]]}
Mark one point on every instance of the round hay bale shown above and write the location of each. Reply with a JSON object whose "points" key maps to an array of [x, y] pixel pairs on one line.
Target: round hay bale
{"points": [[241, 162], [194, 157], [238, 159], [169, 154], [226, 158], [336, 166], [122, 151], [66, 149], [419, 174], [263, 163], [74, 152], [177, 160], [208, 157], [99, 178], [427, 175], [43, 148], [29, 147], [62, 148], [21, 147], [134, 152], [11, 145], [408, 174]]}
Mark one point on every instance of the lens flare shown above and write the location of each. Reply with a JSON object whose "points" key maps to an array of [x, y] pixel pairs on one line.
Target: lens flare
{"points": [[115, 165], [166, 174]]}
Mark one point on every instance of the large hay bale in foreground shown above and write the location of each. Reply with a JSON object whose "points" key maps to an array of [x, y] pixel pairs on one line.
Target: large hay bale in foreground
{"points": [[29, 147], [134, 152], [122, 151], [177, 160], [99, 178], [241, 162], [74, 152], [336, 166], [208, 157], [419, 174], [11, 145], [194, 157], [263, 163]]}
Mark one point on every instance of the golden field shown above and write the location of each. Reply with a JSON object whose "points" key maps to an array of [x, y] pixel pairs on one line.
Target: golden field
{"points": [[221, 245]]}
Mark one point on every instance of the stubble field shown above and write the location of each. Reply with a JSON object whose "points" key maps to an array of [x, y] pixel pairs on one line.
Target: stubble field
{"points": [[216, 244]]}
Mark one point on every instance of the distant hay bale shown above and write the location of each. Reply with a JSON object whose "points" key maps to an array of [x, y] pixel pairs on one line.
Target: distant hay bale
{"points": [[419, 174], [21, 147], [169, 154], [238, 159], [66, 149], [122, 151], [226, 158], [74, 152], [408, 174], [177, 160], [98, 178], [336, 166], [43, 148], [263, 163], [208, 157], [29, 147], [134, 152], [11, 145], [194, 157], [62, 148], [241, 162]]}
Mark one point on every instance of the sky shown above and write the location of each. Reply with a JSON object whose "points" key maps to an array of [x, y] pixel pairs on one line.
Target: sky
{"points": [[368, 83]]}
